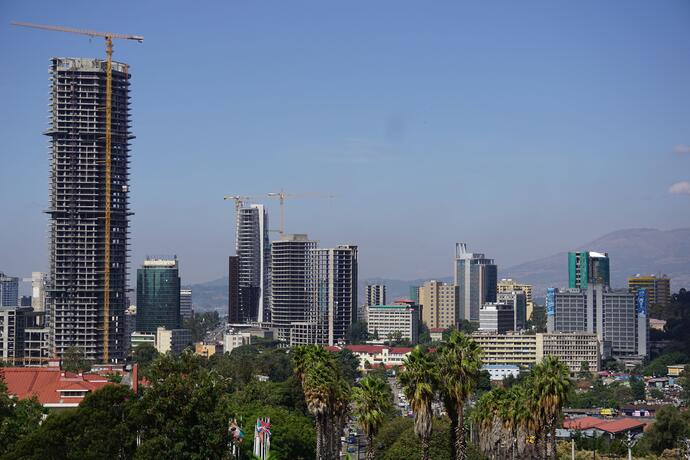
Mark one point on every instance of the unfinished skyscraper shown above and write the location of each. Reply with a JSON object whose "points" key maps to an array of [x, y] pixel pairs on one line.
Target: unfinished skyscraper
{"points": [[77, 282], [254, 253]]}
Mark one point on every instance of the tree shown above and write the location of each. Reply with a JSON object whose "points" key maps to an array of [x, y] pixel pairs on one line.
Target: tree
{"points": [[349, 365], [73, 360], [585, 373], [419, 382], [669, 427], [538, 318], [357, 332], [372, 399], [551, 386], [684, 382], [17, 418], [459, 367], [638, 389]]}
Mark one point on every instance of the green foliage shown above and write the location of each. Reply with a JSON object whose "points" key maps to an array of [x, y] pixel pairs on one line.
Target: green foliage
{"points": [[357, 332], [669, 427], [600, 395], [349, 365], [201, 323], [584, 373], [484, 382], [372, 400], [657, 367], [684, 382], [656, 393], [424, 334], [144, 355], [637, 387], [538, 319], [17, 418], [73, 360]]}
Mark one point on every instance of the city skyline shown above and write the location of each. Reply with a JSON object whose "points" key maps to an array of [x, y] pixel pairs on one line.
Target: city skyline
{"points": [[479, 118]]}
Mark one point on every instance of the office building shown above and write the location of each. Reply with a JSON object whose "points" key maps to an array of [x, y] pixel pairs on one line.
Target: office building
{"points": [[497, 317], [525, 350], [585, 268], [78, 234], [185, 305], [658, 288], [130, 326], [414, 294], [173, 340], [13, 322], [142, 338], [39, 282], [25, 301], [234, 314], [618, 317], [375, 294], [234, 339], [333, 292], [158, 295], [9, 291], [253, 250], [476, 278], [390, 320], [510, 285], [439, 303], [290, 299], [518, 302]]}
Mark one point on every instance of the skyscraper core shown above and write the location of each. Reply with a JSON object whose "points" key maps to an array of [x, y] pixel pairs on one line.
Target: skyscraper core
{"points": [[77, 207]]}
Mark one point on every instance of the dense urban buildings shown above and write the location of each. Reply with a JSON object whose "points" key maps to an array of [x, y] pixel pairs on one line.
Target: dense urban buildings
{"points": [[9, 291], [253, 249], [517, 300], [510, 285], [658, 288], [476, 278], [185, 305], [78, 246], [375, 294], [290, 299], [393, 320], [618, 317], [585, 268], [439, 303], [158, 295]]}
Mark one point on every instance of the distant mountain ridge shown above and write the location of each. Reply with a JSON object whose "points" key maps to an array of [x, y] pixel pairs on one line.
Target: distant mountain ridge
{"points": [[632, 251]]}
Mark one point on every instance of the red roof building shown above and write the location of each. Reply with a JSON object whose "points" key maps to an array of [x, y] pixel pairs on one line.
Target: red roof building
{"points": [[611, 427], [53, 387]]}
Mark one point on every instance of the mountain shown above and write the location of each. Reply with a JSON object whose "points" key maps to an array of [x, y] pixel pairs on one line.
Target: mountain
{"points": [[643, 250]]}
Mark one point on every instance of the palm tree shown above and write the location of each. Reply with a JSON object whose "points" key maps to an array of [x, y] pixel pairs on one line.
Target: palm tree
{"points": [[552, 386], [419, 383], [459, 365], [371, 400], [486, 416], [325, 393]]}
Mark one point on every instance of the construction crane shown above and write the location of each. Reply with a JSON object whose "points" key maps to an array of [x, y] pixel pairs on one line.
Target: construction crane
{"points": [[282, 196], [108, 36], [239, 200]]}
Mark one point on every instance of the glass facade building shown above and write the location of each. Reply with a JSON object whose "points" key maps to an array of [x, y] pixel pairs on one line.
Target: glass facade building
{"points": [[476, 278], [158, 295], [585, 268]]}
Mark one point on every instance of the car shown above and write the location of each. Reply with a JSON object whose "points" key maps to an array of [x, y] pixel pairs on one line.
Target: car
{"points": [[351, 440], [352, 449]]}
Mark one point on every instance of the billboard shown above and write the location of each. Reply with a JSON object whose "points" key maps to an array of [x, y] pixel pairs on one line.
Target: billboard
{"points": [[641, 301], [551, 301]]}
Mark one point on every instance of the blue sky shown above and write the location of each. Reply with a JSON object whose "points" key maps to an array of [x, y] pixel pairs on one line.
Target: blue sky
{"points": [[523, 128]]}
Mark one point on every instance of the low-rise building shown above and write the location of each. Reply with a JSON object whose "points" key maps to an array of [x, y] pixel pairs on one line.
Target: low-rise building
{"points": [[377, 355], [204, 349], [498, 372], [234, 339], [674, 370], [517, 349], [400, 318], [172, 340], [140, 338]]}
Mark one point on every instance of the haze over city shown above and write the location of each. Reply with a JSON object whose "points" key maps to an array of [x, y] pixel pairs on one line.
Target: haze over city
{"points": [[524, 129]]}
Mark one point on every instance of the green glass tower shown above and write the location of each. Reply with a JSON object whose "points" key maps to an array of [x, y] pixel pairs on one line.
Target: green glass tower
{"points": [[586, 268], [158, 295]]}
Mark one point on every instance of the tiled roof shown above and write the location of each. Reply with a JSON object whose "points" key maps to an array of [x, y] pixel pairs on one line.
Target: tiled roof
{"points": [[365, 348], [46, 383], [583, 423], [620, 425]]}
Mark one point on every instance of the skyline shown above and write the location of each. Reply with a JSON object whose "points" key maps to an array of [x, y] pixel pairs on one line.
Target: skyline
{"points": [[420, 119]]}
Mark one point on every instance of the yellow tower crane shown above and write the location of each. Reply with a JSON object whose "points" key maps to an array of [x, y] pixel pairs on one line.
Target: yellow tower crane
{"points": [[108, 36], [282, 196]]}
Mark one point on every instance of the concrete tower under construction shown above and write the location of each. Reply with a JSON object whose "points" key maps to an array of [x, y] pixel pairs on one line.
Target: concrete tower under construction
{"points": [[77, 284]]}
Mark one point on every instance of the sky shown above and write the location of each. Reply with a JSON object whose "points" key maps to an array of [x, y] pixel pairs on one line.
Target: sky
{"points": [[522, 128]]}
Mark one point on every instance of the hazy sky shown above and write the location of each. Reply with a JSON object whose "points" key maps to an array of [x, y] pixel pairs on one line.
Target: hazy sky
{"points": [[523, 128]]}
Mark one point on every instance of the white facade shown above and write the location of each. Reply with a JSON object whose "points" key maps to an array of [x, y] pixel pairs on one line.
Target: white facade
{"points": [[232, 340], [501, 371], [392, 319], [172, 340], [38, 291]]}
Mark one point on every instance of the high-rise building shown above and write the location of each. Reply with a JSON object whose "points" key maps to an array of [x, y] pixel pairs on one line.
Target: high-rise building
{"points": [[658, 288], [333, 291], [12, 325], [253, 249], [9, 291], [414, 294], [376, 294], [618, 317], [585, 268], [510, 285], [185, 305], [158, 295], [476, 278], [497, 317], [78, 187], [234, 313], [518, 301], [290, 297], [439, 302], [38, 291]]}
